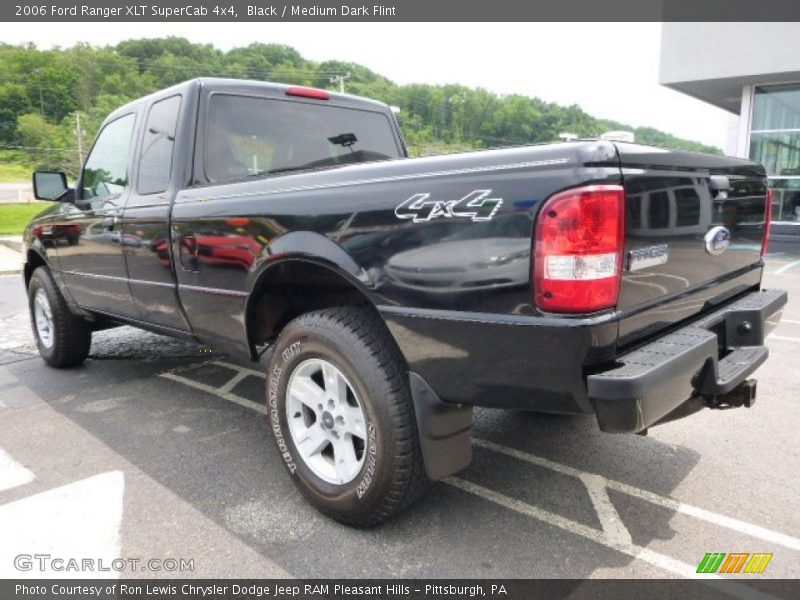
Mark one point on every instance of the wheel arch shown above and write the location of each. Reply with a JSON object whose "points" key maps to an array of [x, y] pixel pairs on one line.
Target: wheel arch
{"points": [[33, 260], [295, 283]]}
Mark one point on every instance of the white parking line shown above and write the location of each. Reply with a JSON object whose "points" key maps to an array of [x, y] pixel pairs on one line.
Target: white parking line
{"points": [[239, 368], [229, 396], [662, 561], [233, 382], [686, 509], [784, 338], [12, 474], [786, 268], [601, 537], [613, 534], [791, 321], [80, 519], [609, 518]]}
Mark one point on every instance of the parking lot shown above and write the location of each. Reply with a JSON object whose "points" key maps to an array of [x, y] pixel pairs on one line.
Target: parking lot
{"points": [[159, 449]]}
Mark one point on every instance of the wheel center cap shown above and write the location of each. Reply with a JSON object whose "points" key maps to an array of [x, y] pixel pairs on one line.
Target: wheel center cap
{"points": [[327, 420]]}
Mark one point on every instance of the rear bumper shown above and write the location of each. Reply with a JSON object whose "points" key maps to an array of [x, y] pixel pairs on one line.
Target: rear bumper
{"points": [[707, 358]]}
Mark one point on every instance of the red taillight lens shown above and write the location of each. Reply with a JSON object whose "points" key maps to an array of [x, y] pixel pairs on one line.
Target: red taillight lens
{"points": [[578, 245], [305, 92], [767, 223]]}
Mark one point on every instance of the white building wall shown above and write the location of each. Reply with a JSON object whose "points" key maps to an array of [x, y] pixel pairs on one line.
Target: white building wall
{"points": [[745, 115], [712, 61], [712, 51], [732, 136]]}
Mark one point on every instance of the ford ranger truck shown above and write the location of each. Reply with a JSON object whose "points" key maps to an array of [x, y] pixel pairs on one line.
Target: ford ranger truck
{"points": [[387, 296]]}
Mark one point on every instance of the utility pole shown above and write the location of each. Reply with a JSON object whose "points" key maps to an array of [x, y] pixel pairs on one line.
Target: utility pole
{"points": [[340, 79], [41, 97], [79, 136]]}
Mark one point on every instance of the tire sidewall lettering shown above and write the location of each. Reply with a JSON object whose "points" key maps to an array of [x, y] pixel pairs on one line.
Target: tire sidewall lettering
{"points": [[370, 463], [292, 350], [273, 389]]}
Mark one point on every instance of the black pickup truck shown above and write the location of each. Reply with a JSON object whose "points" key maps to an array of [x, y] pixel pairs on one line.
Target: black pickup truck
{"points": [[387, 296]]}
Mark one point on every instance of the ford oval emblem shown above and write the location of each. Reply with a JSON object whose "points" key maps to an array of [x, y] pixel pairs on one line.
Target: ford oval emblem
{"points": [[717, 240]]}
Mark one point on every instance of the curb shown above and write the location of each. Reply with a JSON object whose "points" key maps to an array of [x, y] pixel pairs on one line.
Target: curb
{"points": [[12, 242]]}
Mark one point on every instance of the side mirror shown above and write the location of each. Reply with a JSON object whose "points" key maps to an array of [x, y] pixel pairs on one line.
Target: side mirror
{"points": [[50, 185]]}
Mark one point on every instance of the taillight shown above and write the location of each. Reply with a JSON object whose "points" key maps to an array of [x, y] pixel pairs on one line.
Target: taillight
{"points": [[580, 234], [767, 223], [305, 92]]}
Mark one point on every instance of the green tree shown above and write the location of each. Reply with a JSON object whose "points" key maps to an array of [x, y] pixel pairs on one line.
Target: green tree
{"points": [[14, 102]]}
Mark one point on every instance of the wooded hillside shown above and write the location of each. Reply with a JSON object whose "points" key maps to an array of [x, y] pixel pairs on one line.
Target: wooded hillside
{"points": [[42, 90]]}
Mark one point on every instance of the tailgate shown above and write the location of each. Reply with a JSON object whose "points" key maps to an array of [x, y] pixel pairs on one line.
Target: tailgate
{"points": [[694, 229]]}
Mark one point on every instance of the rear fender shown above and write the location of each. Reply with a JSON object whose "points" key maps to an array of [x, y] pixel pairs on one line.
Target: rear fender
{"points": [[309, 246], [305, 247]]}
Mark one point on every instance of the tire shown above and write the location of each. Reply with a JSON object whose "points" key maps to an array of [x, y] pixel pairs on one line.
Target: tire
{"points": [[63, 339], [389, 473]]}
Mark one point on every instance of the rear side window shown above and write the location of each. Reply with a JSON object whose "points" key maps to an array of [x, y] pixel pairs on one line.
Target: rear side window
{"points": [[249, 136], [658, 210], [687, 204], [155, 165]]}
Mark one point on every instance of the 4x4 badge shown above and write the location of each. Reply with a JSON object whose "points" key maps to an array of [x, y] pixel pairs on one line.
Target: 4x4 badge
{"points": [[476, 206], [717, 240]]}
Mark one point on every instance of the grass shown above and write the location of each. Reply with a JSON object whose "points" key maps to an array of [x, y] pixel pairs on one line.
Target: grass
{"points": [[14, 217], [10, 172]]}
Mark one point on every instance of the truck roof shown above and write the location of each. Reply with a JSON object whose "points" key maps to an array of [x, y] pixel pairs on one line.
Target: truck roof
{"points": [[246, 86]]}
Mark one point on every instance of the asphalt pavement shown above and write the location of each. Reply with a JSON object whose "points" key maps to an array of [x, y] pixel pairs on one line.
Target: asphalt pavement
{"points": [[159, 449]]}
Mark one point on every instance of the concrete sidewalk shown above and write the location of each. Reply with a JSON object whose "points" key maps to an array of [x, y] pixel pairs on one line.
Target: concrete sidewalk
{"points": [[12, 241], [10, 260], [17, 192]]}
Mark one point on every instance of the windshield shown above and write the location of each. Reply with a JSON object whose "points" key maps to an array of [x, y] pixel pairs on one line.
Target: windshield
{"points": [[249, 136]]}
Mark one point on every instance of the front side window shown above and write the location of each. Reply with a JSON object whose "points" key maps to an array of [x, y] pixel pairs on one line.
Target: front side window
{"points": [[159, 141], [249, 136], [106, 170]]}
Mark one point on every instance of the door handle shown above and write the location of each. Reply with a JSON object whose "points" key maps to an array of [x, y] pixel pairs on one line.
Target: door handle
{"points": [[109, 223]]}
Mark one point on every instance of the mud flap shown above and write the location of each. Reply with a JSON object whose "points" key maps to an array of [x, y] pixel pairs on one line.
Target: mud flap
{"points": [[444, 430]]}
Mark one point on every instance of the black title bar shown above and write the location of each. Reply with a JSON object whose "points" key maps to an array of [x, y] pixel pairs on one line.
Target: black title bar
{"points": [[388, 589], [399, 10]]}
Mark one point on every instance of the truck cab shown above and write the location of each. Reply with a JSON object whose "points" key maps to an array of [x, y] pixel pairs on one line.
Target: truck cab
{"points": [[202, 133]]}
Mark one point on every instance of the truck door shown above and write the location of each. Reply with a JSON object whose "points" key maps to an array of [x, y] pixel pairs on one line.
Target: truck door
{"points": [[145, 222], [92, 263]]}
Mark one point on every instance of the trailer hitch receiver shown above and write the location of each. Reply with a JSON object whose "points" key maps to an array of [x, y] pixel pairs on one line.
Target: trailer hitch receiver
{"points": [[743, 394]]}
